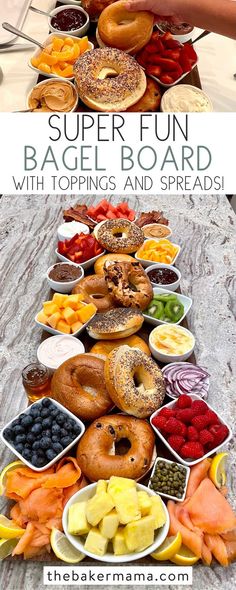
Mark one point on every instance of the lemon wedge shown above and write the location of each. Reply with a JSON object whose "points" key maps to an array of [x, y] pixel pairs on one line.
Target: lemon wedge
{"points": [[9, 529], [168, 548], [63, 549], [184, 556], [6, 547], [4, 472], [217, 471]]}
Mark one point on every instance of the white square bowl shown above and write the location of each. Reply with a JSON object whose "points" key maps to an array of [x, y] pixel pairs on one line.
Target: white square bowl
{"points": [[60, 455], [78, 541], [162, 493], [54, 331], [85, 265], [186, 301], [146, 263], [180, 459], [176, 81], [47, 41]]}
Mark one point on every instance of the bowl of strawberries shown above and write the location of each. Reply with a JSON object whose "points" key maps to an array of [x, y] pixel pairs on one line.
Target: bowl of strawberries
{"points": [[167, 60], [190, 429]]}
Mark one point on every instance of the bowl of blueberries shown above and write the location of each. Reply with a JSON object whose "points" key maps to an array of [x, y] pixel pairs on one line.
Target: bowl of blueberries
{"points": [[42, 434]]}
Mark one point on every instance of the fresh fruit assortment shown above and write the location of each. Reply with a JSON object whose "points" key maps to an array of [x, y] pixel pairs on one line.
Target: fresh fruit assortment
{"points": [[119, 516], [166, 59], [169, 479], [80, 248], [185, 378], [105, 210], [158, 251], [118, 513], [41, 433], [190, 427], [59, 56], [166, 307], [66, 313]]}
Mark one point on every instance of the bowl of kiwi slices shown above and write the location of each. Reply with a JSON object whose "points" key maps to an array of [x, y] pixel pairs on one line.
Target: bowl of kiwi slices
{"points": [[167, 307]]}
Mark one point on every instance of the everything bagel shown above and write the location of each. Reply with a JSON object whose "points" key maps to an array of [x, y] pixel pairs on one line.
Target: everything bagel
{"points": [[96, 451], [129, 31], [100, 92], [128, 284], [119, 236]]}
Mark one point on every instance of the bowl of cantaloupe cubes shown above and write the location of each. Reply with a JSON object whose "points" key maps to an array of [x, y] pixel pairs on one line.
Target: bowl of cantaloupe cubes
{"points": [[65, 314], [116, 521], [59, 55]]}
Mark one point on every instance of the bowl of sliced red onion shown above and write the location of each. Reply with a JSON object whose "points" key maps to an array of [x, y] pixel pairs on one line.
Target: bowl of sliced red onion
{"points": [[185, 378]]}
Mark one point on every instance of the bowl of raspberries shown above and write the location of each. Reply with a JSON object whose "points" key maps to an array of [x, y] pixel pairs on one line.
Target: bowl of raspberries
{"points": [[42, 434], [190, 428]]}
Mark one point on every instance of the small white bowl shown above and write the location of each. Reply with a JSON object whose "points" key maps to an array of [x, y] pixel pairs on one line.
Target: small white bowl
{"points": [[162, 493], [180, 459], [51, 345], [182, 102], [146, 263], [85, 265], [54, 332], [69, 229], [182, 38], [62, 453], [80, 32], [109, 557], [55, 81], [168, 237], [170, 358], [171, 286], [62, 286], [186, 301], [47, 41]]}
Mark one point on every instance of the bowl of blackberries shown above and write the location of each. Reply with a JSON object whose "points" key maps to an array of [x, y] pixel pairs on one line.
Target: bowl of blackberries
{"points": [[42, 434]]}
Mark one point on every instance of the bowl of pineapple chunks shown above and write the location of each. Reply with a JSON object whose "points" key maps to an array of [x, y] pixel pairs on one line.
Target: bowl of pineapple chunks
{"points": [[116, 521]]}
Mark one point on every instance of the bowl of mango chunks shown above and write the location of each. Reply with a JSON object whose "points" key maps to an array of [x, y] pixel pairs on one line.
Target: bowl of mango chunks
{"points": [[116, 521]]}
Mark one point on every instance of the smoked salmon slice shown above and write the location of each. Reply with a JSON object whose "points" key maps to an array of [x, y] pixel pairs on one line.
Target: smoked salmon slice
{"points": [[217, 547], [209, 510], [189, 538], [197, 474]]}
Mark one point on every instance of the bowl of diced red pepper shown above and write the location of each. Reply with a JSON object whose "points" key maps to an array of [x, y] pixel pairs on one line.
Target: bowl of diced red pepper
{"points": [[167, 60], [82, 249]]}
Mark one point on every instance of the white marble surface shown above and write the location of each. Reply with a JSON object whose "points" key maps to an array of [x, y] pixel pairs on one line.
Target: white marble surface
{"points": [[217, 65], [205, 228]]}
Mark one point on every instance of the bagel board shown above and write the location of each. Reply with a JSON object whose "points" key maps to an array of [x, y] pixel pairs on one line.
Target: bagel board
{"points": [[192, 78]]}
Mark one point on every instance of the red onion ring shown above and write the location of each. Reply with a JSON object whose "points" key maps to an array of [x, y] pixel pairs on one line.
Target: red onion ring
{"points": [[185, 378]]}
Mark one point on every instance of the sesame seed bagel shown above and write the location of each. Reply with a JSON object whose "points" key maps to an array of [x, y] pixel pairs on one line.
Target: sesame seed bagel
{"points": [[102, 93], [119, 236], [96, 451], [134, 381], [120, 28], [116, 323]]}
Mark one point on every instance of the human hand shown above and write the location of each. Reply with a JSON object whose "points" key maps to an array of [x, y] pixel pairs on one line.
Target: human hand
{"points": [[160, 8]]}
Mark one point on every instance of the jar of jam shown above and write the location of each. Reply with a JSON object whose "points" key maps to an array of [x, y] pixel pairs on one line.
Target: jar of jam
{"points": [[37, 381]]}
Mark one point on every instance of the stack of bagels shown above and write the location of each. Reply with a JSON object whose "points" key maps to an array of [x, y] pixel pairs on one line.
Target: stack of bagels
{"points": [[115, 386]]}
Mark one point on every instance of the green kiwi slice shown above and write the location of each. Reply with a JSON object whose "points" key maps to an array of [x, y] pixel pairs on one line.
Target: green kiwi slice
{"points": [[156, 309], [174, 310]]}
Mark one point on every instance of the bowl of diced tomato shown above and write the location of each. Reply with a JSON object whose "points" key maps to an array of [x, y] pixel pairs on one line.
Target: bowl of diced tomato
{"points": [[105, 210], [167, 60], [82, 249]]}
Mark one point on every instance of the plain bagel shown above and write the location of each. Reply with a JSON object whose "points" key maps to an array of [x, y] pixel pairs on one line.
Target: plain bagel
{"points": [[96, 451], [78, 384], [95, 290], [129, 31]]}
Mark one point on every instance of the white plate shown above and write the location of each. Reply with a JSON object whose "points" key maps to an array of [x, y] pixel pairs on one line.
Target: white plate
{"points": [[176, 81], [186, 301], [146, 263], [53, 331], [78, 542], [47, 41], [85, 265], [14, 12], [64, 452], [180, 459], [162, 493]]}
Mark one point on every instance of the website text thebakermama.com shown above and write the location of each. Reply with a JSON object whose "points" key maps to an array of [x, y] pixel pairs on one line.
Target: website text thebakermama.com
{"points": [[114, 576]]}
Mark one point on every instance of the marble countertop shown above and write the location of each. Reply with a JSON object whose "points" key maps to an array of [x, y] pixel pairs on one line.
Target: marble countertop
{"points": [[205, 227]]}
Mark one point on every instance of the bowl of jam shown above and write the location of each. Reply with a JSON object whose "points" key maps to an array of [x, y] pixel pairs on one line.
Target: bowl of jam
{"points": [[164, 276], [64, 276], [70, 19]]}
